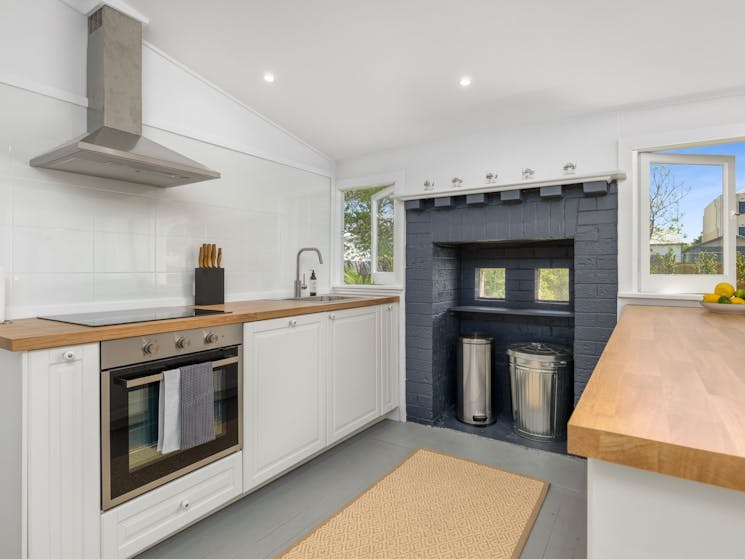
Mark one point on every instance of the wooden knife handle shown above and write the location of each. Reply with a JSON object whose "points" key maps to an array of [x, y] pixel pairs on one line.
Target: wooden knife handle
{"points": [[219, 257], [201, 256], [209, 255], [213, 252]]}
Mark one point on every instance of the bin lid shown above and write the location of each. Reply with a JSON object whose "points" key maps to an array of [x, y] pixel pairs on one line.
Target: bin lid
{"points": [[540, 352], [476, 338]]}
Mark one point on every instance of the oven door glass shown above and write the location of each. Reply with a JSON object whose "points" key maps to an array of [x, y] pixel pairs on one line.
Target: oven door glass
{"points": [[131, 461]]}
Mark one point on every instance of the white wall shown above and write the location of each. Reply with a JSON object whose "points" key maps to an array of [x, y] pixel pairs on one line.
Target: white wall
{"points": [[71, 242], [592, 142]]}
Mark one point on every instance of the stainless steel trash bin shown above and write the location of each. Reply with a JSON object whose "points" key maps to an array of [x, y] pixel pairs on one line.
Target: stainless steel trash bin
{"points": [[542, 390], [474, 381]]}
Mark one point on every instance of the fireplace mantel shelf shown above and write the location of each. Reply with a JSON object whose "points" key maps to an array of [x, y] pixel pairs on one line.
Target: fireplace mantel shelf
{"points": [[515, 312], [522, 185]]}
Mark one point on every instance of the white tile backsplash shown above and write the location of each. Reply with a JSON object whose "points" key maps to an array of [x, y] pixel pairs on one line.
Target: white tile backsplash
{"points": [[124, 286], [45, 205], [122, 252], [46, 251], [121, 213], [51, 290], [71, 242]]}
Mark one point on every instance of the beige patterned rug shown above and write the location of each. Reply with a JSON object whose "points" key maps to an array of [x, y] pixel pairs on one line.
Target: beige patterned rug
{"points": [[432, 506]]}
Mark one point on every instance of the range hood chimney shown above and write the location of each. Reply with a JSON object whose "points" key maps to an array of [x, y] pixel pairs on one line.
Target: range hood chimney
{"points": [[114, 147]]}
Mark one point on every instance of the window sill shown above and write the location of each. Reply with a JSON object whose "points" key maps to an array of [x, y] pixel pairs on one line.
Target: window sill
{"points": [[368, 289], [659, 299], [660, 296]]}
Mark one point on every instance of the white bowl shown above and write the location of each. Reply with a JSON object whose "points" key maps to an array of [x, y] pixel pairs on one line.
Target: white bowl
{"points": [[724, 308]]}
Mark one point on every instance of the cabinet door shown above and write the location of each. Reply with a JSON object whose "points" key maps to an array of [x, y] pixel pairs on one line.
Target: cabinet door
{"points": [[61, 392], [390, 368], [284, 394], [354, 370]]}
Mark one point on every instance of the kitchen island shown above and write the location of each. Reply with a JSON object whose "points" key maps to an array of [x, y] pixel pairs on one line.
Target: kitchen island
{"points": [[662, 423]]}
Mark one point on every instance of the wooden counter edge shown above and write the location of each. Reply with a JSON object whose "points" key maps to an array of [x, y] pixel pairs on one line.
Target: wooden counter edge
{"points": [[693, 464], [103, 333]]}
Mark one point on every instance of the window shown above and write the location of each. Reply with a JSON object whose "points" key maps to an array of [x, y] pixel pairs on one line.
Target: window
{"points": [[369, 218], [741, 231], [552, 285], [490, 283], [741, 207], [688, 238]]}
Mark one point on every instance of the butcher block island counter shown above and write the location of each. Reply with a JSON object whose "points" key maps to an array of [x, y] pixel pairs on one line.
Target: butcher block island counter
{"points": [[35, 333], [662, 423]]}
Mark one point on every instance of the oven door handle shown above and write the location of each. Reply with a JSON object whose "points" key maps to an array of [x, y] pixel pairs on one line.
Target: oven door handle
{"points": [[150, 379]]}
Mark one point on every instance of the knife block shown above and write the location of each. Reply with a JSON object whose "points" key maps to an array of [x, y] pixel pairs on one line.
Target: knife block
{"points": [[209, 286]]}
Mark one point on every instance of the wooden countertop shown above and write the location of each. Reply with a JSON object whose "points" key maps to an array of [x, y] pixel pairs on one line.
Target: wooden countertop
{"points": [[668, 396], [35, 333]]}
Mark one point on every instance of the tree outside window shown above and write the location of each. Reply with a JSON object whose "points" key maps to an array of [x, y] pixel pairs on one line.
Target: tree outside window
{"points": [[368, 235]]}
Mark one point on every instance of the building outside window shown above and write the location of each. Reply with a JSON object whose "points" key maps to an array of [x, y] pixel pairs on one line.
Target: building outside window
{"points": [[692, 237]]}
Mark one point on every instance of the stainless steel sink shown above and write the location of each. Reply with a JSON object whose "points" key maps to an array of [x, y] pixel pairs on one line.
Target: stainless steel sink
{"points": [[321, 298]]}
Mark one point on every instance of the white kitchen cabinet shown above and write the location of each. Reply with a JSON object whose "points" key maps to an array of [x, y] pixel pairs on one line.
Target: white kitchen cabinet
{"points": [[284, 394], [353, 381], [61, 422], [389, 374], [138, 524]]}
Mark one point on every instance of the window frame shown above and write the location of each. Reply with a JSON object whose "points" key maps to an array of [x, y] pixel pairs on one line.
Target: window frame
{"points": [[685, 283], [381, 280]]}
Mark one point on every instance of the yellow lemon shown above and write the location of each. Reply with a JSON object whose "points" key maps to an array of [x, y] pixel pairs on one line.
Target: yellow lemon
{"points": [[711, 298], [738, 301], [725, 289]]}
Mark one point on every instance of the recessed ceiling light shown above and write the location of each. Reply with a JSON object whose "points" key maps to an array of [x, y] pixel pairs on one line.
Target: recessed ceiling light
{"points": [[465, 81], [268, 77]]}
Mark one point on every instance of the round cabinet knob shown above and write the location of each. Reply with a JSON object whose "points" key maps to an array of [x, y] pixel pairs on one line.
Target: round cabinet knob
{"points": [[69, 356], [183, 342], [185, 504], [150, 348], [293, 323], [211, 338], [332, 316]]}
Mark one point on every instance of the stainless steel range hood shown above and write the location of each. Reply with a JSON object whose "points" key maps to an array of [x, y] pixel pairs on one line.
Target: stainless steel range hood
{"points": [[114, 147]]}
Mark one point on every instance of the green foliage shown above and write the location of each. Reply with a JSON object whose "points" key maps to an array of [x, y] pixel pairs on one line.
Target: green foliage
{"points": [[663, 263], [353, 275], [492, 283], [708, 263], [385, 235], [358, 205], [740, 267], [704, 263], [553, 284]]}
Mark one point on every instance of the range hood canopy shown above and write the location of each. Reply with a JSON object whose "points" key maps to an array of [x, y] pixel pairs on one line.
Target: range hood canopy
{"points": [[114, 147]]}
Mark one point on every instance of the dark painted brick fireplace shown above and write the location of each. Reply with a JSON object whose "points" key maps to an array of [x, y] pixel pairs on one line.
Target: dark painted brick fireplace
{"points": [[571, 226]]}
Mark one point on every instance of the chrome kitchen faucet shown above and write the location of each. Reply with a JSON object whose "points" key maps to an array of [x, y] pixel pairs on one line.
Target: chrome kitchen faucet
{"points": [[299, 286]]}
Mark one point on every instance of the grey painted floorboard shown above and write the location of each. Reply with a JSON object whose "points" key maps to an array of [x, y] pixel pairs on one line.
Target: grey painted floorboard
{"points": [[265, 522]]}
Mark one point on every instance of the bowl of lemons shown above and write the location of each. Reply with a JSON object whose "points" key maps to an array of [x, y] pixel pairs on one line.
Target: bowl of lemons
{"points": [[725, 299]]}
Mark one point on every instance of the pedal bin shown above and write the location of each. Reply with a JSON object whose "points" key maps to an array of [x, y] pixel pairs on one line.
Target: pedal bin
{"points": [[474, 382]]}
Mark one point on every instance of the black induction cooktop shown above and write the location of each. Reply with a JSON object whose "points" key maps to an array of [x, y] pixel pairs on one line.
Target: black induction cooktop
{"points": [[110, 318]]}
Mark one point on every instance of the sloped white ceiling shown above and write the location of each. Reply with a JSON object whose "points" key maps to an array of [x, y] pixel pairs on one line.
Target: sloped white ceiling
{"points": [[358, 76]]}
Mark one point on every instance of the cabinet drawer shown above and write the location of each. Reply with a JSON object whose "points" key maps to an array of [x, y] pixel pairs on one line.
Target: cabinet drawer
{"points": [[144, 521]]}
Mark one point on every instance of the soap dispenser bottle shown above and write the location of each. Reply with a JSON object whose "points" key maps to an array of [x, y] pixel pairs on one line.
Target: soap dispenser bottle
{"points": [[313, 283]]}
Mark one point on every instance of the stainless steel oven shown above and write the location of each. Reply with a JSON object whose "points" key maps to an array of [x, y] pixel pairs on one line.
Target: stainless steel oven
{"points": [[132, 370]]}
